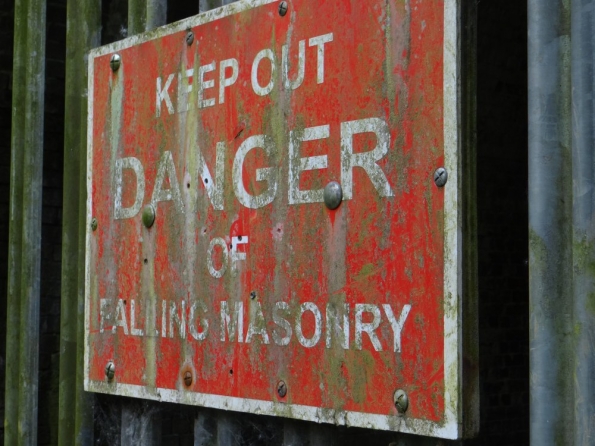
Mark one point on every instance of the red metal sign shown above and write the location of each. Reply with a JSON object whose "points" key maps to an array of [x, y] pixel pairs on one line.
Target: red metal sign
{"points": [[266, 232]]}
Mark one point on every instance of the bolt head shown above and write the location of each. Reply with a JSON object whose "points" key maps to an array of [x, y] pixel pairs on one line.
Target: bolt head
{"points": [[188, 379], [333, 194], [283, 8], [115, 62], [440, 177], [189, 38], [94, 224], [110, 371], [148, 215], [281, 389], [401, 401]]}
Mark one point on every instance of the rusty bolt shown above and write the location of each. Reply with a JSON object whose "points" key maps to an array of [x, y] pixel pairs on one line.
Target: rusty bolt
{"points": [[281, 389], [115, 62], [401, 401], [148, 215], [188, 378], [333, 194], [110, 370], [94, 224], [282, 8], [440, 177], [189, 38]]}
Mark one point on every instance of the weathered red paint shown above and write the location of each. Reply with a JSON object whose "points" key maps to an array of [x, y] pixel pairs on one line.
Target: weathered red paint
{"points": [[382, 63]]}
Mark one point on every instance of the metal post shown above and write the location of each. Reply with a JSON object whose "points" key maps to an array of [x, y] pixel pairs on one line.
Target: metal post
{"points": [[75, 425], [31, 243], [550, 231], [583, 176], [140, 425], [471, 392], [25, 223], [13, 312], [296, 433], [144, 15], [206, 5]]}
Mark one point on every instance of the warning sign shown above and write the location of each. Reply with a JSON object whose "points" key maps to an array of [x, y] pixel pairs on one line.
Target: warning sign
{"points": [[272, 214]]}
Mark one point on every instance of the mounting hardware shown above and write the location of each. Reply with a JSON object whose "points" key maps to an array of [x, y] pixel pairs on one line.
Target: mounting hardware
{"points": [[115, 62], [440, 177], [333, 194]]}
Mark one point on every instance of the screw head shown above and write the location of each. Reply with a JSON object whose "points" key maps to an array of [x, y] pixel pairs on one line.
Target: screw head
{"points": [[333, 194], [401, 401], [189, 38], [115, 62], [94, 224], [282, 8], [281, 389], [148, 215], [188, 378], [110, 371], [440, 177]]}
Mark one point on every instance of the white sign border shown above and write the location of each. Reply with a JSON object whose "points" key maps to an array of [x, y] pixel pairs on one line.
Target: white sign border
{"points": [[451, 428]]}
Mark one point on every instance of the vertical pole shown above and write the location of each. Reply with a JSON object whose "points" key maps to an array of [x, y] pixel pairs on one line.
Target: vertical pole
{"points": [[144, 15], [583, 170], [13, 312], [25, 224], [140, 426], [75, 425], [297, 433], [207, 5], [468, 54], [550, 231], [31, 243]]}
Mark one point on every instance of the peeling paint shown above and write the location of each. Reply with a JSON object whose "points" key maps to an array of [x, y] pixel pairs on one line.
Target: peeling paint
{"points": [[247, 278]]}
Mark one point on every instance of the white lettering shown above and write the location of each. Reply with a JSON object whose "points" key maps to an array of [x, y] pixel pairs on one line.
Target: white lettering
{"points": [[397, 326], [334, 326], [234, 254], [281, 322], [365, 160], [301, 66], [257, 325], [179, 319], [135, 165], [230, 325], [184, 88], [258, 89], [214, 188], [133, 330], [368, 319], [163, 95], [163, 318], [367, 327], [217, 273], [198, 335], [319, 42], [167, 167], [267, 174], [298, 165], [120, 317], [309, 343], [204, 85], [103, 314], [227, 81]]}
